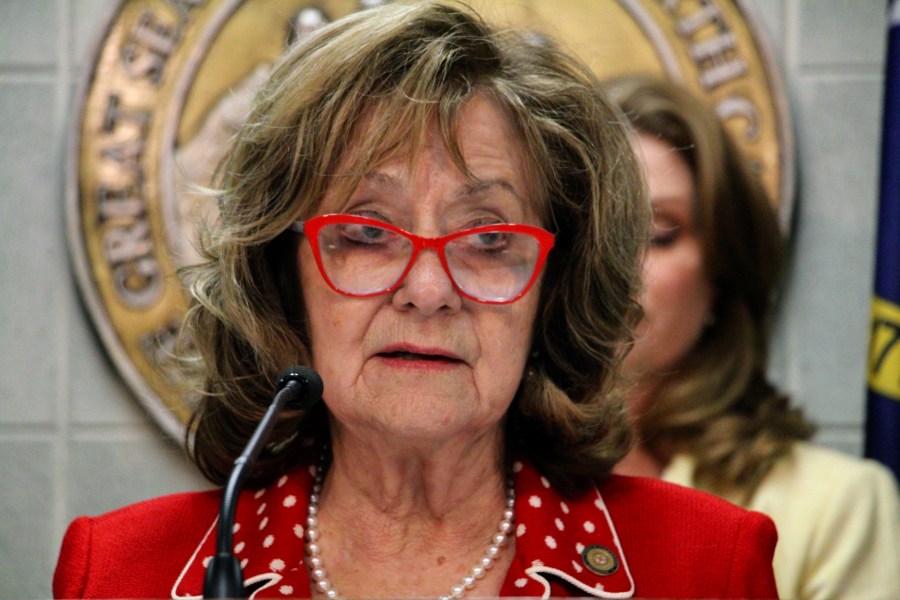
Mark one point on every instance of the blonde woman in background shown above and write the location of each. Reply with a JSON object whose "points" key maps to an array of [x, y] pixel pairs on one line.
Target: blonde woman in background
{"points": [[706, 414]]}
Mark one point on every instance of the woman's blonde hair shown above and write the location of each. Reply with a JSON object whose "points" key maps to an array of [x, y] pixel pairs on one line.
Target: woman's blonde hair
{"points": [[719, 406], [394, 72]]}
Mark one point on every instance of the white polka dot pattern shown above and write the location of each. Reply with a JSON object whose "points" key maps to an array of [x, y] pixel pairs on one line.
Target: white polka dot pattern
{"points": [[268, 541], [552, 533]]}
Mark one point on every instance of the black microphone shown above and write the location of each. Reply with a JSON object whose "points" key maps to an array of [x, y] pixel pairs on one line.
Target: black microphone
{"points": [[299, 387]]}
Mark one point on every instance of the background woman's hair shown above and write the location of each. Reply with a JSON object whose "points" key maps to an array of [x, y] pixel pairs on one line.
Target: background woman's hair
{"points": [[392, 73], [720, 406]]}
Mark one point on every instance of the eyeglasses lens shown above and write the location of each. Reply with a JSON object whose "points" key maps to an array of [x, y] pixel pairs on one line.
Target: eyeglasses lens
{"points": [[492, 266], [363, 259]]}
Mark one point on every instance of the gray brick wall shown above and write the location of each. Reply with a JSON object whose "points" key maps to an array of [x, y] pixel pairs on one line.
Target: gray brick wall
{"points": [[72, 438]]}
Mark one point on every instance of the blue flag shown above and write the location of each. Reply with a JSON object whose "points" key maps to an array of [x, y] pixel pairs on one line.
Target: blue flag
{"points": [[883, 407]]}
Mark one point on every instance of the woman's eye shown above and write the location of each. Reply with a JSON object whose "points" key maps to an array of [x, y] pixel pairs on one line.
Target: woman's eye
{"points": [[371, 233], [662, 237], [492, 239], [363, 234]]}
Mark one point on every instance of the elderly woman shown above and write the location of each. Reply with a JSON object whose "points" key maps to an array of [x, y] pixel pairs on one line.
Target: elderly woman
{"points": [[706, 413], [446, 221]]}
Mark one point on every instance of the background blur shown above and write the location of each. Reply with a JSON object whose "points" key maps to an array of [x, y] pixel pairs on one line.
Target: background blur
{"points": [[74, 440]]}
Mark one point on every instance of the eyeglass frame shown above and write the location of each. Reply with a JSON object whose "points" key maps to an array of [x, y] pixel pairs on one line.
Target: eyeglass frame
{"points": [[310, 228]]}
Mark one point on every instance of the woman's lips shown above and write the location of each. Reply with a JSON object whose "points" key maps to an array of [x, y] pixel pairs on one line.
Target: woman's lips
{"points": [[415, 356], [420, 358]]}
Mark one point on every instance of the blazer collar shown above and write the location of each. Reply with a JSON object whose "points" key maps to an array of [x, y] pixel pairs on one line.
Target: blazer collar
{"points": [[567, 540], [557, 540], [268, 541]]}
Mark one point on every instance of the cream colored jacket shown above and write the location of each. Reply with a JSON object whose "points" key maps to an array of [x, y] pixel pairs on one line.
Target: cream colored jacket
{"points": [[838, 521]]}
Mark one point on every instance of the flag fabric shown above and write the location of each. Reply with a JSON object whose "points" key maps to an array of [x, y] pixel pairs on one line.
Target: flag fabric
{"points": [[883, 405]]}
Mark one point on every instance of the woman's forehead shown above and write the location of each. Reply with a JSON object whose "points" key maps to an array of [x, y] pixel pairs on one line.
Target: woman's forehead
{"points": [[482, 146]]}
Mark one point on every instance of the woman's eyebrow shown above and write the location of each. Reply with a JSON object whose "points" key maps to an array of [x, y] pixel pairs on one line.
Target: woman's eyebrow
{"points": [[479, 186], [384, 181]]}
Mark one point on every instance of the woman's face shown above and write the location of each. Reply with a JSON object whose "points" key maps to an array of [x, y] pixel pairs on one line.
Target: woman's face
{"points": [[677, 295], [424, 362]]}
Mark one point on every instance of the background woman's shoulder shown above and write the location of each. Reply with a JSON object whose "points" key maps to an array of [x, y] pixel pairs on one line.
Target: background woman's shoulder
{"points": [[820, 476], [838, 519]]}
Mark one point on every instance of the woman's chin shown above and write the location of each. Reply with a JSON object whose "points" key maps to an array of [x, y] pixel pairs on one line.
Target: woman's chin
{"points": [[433, 422]]}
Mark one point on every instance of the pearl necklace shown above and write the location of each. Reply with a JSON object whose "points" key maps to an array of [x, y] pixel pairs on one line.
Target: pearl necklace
{"points": [[324, 584]]}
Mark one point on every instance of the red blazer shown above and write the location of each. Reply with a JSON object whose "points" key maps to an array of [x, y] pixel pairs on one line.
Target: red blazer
{"points": [[629, 537]]}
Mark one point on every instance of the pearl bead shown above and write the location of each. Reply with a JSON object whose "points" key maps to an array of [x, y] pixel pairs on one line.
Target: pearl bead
{"points": [[332, 594], [493, 551], [323, 585], [312, 534], [457, 591], [312, 521], [469, 581], [312, 548], [319, 574], [499, 538], [487, 562], [315, 562], [478, 572]]}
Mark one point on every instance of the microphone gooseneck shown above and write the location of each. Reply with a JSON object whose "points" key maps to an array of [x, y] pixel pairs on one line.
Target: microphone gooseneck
{"points": [[298, 387]]}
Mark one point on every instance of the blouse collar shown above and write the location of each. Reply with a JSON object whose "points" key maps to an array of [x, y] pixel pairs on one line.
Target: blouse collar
{"points": [[557, 540]]}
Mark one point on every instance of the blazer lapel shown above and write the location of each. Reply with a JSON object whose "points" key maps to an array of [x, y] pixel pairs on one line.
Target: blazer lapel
{"points": [[268, 542], [564, 540]]}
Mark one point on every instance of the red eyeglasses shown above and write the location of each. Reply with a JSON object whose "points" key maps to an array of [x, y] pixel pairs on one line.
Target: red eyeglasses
{"points": [[361, 256]]}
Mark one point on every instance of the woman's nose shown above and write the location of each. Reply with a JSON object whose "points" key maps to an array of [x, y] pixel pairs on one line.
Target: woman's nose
{"points": [[427, 287]]}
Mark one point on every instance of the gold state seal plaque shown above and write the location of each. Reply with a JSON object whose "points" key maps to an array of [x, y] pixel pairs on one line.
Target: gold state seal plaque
{"points": [[171, 80]]}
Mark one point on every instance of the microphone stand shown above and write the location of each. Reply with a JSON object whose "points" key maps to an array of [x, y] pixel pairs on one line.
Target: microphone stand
{"points": [[224, 578]]}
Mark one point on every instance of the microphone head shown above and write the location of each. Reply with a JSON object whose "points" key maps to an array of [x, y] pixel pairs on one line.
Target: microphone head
{"points": [[309, 380]]}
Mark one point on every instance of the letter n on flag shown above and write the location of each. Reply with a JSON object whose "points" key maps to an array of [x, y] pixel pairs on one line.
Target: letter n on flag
{"points": [[883, 407]]}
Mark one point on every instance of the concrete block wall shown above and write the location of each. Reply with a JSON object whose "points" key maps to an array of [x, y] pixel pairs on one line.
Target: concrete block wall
{"points": [[73, 439]]}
